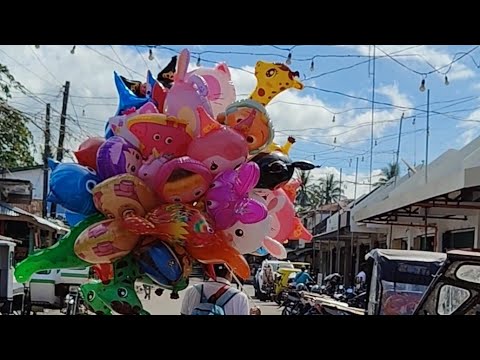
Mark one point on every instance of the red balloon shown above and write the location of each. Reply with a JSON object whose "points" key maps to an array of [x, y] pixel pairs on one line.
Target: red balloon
{"points": [[103, 271], [87, 152]]}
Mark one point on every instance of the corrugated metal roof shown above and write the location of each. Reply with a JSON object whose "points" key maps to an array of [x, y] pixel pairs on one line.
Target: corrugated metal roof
{"points": [[10, 210]]}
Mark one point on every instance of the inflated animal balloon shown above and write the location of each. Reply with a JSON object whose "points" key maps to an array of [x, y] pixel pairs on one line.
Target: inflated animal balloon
{"points": [[87, 152], [61, 255], [127, 99], [155, 92], [276, 169], [186, 226], [221, 91], [227, 199], [187, 94], [261, 132], [272, 79], [71, 186], [117, 156], [220, 147], [122, 196], [166, 76]]}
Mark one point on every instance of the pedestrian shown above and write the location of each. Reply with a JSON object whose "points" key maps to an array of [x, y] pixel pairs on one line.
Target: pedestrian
{"points": [[303, 277], [361, 277], [215, 297]]}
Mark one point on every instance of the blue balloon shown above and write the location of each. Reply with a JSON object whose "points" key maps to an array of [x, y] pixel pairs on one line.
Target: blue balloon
{"points": [[108, 131], [71, 186], [160, 264], [73, 218], [127, 99], [260, 252]]}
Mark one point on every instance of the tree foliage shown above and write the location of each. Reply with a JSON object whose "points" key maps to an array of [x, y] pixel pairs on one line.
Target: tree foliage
{"points": [[15, 138], [388, 172], [312, 194]]}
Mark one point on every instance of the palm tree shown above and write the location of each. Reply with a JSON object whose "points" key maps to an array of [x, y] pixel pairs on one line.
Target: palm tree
{"points": [[308, 195], [331, 190], [388, 172]]}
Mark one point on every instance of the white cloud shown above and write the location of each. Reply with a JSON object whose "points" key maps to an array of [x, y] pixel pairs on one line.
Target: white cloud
{"points": [[469, 129], [429, 57]]}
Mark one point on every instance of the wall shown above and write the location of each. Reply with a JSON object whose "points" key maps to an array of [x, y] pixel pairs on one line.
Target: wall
{"points": [[35, 176]]}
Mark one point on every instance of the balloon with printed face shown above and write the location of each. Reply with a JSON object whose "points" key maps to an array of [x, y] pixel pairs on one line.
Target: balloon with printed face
{"points": [[127, 99], [181, 180], [105, 242], [248, 238], [227, 199], [221, 91], [272, 79], [123, 195], [187, 94], [184, 225], [261, 132], [71, 186], [87, 152], [117, 156], [220, 147]]}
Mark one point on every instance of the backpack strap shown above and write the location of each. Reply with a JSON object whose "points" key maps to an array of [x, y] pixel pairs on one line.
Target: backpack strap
{"points": [[199, 288], [214, 298], [226, 296]]}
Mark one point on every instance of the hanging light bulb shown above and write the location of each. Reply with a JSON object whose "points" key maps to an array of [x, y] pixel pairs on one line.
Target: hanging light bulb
{"points": [[363, 158], [413, 121], [314, 157], [37, 46], [350, 163], [422, 86], [446, 80], [199, 61], [333, 119], [376, 143], [289, 58], [312, 66], [150, 54], [73, 49], [335, 140], [83, 112]]}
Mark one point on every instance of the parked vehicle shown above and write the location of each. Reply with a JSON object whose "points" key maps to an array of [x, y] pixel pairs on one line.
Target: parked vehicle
{"points": [[456, 288], [397, 279], [265, 279]]}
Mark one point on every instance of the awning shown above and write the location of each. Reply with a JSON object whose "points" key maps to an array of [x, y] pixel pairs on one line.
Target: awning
{"points": [[12, 211], [453, 181]]}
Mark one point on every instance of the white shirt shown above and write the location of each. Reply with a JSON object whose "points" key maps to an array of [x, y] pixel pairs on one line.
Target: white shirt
{"points": [[238, 304], [362, 276]]}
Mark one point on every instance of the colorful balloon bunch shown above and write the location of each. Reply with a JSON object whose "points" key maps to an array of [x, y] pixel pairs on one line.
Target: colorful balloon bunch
{"points": [[183, 174]]}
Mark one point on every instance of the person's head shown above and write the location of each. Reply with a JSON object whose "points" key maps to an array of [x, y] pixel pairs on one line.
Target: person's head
{"points": [[222, 271], [303, 268]]}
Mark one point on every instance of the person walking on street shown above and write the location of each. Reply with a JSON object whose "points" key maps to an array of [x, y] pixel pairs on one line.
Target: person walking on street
{"points": [[215, 297]]}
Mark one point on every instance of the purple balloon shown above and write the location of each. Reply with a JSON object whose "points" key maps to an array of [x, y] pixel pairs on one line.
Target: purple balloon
{"points": [[117, 156]]}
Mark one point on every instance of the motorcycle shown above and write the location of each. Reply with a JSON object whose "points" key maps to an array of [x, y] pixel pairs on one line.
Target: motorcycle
{"points": [[74, 302]]}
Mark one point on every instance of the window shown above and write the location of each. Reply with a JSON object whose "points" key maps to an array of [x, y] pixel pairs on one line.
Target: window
{"points": [[470, 273], [451, 298]]}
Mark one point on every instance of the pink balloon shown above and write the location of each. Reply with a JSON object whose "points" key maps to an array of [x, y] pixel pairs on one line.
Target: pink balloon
{"points": [[227, 199], [221, 91], [285, 224], [220, 147], [187, 94]]}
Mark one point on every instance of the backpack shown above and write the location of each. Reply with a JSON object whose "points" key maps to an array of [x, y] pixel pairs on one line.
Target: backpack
{"points": [[214, 305]]}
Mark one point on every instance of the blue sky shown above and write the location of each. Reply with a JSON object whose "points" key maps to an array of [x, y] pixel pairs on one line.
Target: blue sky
{"points": [[306, 114]]}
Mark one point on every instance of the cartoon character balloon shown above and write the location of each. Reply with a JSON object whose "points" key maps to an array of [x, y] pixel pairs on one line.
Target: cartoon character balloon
{"points": [[165, 77], [187, 94], [117, 156], [272, 79], [127, 99], [227, 199], [71, 186], [220, 147], [221, 91]]}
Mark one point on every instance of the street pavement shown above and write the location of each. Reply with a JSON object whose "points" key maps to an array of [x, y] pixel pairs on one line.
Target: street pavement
{"points": [[163, 305]]}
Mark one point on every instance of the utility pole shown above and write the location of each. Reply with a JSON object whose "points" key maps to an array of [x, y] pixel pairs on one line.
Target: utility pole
{"points": [[61, 137], [373, 117], [352, 266], [427, 136], [46, 154], [339, 223], [398, 148]]}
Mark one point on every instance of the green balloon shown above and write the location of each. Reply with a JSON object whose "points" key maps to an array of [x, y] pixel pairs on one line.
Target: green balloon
{"points": [[117, 295], [58, 256]]}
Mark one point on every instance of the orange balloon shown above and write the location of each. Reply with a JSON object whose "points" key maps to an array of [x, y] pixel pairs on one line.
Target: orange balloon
{"points": [[87, 152], [105, 242], [184, 225], [103, 271]]}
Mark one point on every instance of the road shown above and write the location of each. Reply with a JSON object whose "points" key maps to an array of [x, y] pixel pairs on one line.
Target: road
{"points": [[163, 305]]}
